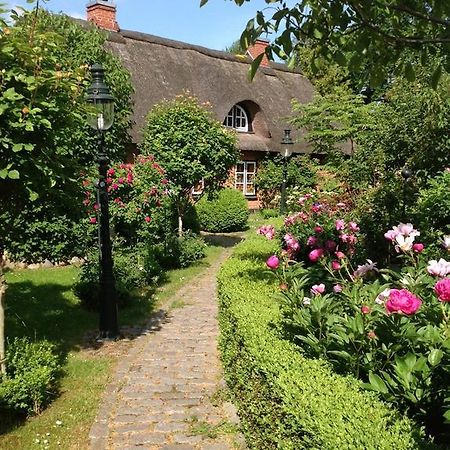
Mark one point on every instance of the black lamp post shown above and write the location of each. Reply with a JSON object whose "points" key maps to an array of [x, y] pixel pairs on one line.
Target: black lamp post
{"points": [[101, 118], [406, 175], [286, 152]]}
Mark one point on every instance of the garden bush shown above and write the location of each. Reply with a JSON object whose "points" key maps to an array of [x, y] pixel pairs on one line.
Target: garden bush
{"points": [[133, 270], [227, 212], [192, 248], [285, 400], [30, 383]]}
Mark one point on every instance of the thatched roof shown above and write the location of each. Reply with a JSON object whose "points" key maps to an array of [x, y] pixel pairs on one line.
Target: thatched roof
{"points": [[163, 68]]}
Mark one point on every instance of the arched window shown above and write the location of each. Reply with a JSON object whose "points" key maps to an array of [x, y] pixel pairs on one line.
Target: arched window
{"points": [[237, 118]]}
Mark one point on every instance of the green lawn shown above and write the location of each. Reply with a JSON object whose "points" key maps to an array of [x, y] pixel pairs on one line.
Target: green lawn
{"points": [[40, 304]]}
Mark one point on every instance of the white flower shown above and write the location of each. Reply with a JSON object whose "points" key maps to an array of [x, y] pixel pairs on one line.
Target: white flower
{"points": [[368, 267], [383, 296], [446, 242], [404, 243], [306, 301], [439, 268]]}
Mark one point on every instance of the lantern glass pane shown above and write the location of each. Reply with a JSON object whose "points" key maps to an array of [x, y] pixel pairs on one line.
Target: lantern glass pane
{"points": [[101, 115]]}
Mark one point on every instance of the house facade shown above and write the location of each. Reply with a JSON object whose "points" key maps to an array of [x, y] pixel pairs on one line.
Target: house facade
{"points": [[162, 69]]}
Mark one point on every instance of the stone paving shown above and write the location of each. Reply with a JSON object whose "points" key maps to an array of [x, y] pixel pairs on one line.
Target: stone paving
{"points": [[163, 392]]}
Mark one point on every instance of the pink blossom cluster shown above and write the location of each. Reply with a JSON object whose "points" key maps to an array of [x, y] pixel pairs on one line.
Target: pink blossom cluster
{"points": [[292, 245], [364, 269], [442, 290], [403, 236], [296, 217], [267, 230]]}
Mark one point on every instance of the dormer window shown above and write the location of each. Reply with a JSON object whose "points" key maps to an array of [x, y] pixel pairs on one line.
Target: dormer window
{"points": [[237, 118]]}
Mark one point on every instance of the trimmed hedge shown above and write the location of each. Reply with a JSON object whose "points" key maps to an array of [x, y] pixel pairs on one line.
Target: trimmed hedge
{"points": [[285, 400], [227, 212]]}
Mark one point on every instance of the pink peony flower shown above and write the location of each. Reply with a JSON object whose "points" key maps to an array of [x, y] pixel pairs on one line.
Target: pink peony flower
{"points": [[335, 265], [390, 235], [337, 288], [340, 255], [164, 181], [291, 242], [353, 226], [96, 206], [121, 180], [148, 219], [442, 289], [365, 309], [93, 220], [318, 229], [115, 186], [446, 242], [402, 301], [316, 207], [111, 172], [266, 230], [315, 255], [318, 289], [340, 224], [418, 247], [439, 268], [312, 241], [284, 287], [273, 262]]}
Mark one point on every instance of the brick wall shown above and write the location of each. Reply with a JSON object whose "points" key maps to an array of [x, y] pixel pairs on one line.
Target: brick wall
{"points": [[257, 49]]}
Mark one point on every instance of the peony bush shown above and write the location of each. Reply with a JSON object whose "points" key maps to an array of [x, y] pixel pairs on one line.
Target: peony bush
{"points": [[388, 327]]}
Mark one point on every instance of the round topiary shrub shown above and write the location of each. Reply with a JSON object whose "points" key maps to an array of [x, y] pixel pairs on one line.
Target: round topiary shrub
{"points": [[228, 211]]}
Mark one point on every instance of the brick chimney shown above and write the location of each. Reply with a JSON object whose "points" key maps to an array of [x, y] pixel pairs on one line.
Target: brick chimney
{"points": [[103, 14], [257, 48]]}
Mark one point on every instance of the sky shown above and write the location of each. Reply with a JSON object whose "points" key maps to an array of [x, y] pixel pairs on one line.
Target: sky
{"points": [[216, 25]]}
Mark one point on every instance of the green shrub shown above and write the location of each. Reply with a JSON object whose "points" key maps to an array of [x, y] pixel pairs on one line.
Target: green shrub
{"points": [[227, 212], [40, 232], [31, 379], [133, 269], [287, 401], [192, 248], [269, 213]]}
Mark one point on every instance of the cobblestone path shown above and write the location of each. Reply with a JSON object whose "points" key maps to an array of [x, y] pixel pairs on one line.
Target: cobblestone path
{"points": [[163, 392]]}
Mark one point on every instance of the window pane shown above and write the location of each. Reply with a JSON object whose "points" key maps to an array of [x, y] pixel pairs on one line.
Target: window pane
{"points": [[240, 167]]}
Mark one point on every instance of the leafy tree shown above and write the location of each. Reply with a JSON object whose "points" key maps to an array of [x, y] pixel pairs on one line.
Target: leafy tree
{"points": [[346, 30], [191, 146], [44, 144]]}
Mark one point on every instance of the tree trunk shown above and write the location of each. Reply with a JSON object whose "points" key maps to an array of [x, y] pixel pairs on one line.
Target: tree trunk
{"points": [[180, 225], [2, 318]]}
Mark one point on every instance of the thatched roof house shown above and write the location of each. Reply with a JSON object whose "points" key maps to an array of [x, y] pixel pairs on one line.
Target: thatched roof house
{"points": [[163, 68]]}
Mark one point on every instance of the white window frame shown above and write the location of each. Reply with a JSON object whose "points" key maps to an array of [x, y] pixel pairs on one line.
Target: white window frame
{"points": [[249, 169], [201, 185], [237, 118]]}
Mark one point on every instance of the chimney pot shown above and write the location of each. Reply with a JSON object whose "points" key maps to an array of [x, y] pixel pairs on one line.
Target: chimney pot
{"points": [[103, 14], [258, 48]]}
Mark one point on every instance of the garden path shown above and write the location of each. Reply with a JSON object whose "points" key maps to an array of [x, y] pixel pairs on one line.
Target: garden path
{"points": [[166, 393]]}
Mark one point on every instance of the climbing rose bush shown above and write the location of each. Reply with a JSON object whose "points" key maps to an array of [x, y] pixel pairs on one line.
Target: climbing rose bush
{"points": [[136, 194], [389, 328]]}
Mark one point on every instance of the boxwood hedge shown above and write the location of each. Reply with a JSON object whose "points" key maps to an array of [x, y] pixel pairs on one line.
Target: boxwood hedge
{"points": [[285, 400]]}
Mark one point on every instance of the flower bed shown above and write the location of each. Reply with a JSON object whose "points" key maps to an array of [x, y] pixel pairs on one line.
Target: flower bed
{"points": [[286, 400], [389, 327]]}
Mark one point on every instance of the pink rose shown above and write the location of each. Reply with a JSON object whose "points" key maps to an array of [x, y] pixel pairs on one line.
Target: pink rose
{"points": [[340, 224], [403, 302], [273, 262], [315, 255], [318, 289], [337, 288], [442, 289], [335, 265], [418, 247]]}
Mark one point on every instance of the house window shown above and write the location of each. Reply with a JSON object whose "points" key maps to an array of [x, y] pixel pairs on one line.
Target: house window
{"points": [[198, 188], [237, 118], [245, 177]]}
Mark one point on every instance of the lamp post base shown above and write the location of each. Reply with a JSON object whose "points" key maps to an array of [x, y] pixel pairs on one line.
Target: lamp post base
{"points": [[106, 336]]}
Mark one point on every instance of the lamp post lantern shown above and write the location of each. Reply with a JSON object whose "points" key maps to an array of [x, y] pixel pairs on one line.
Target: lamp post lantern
{"points": [[406, 175], [100, 118], [286, 152]]}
